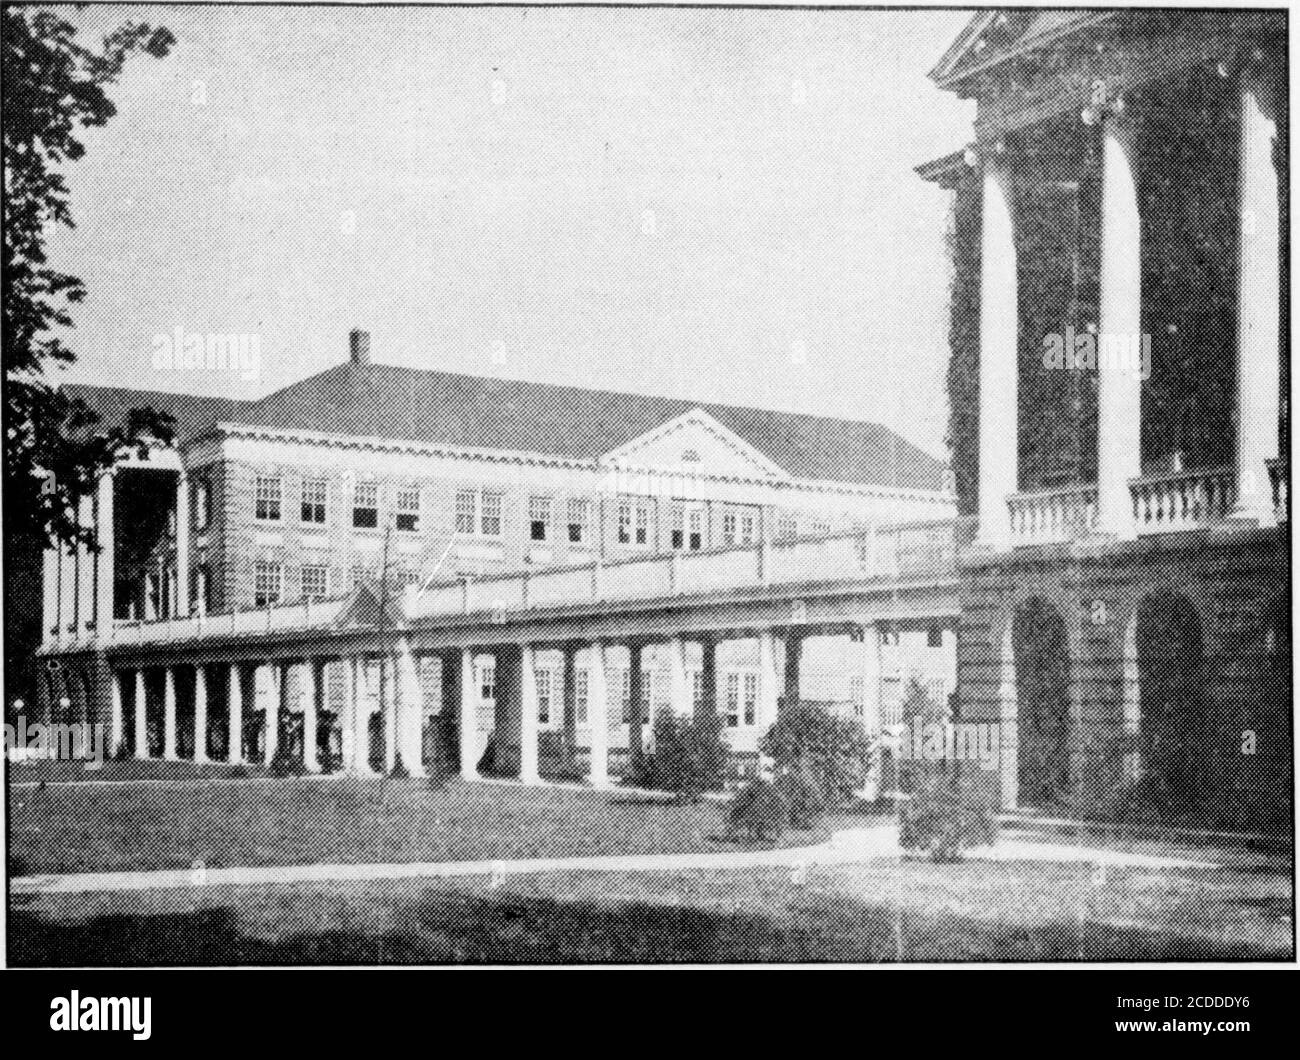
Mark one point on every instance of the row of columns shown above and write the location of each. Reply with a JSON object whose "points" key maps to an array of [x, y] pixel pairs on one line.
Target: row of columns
{"points": [[1119, 452], [400, 701]]}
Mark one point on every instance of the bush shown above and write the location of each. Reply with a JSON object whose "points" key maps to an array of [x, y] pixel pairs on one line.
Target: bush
{"points": [[828, 752], [804, 801], [946, 815], [758, 812], [239, 771], [689, 758], [284, 763]]}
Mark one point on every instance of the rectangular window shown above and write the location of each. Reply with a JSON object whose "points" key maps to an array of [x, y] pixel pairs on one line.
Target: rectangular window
{"points": [[751, 698], [697, 688], [857, 694], [267, 499], [624, 522], [539, 518], [365, 506], [821, 526], [748, 528], [268, 583], [787, 526], [729, 528], [490, 517], [733, 701], [695, 529], [487, 681], [202, 505], [313, 500], [642, 524], [315, 582], [623, 682], [580, 679], [466, 501], [545, 687], [408, 510], [934, 637], [579, 520]]}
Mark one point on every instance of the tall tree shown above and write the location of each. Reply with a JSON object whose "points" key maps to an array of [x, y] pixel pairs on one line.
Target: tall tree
{"points": [[55, 89]]}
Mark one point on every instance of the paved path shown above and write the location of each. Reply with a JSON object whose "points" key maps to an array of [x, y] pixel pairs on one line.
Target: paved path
{"points": [[848, 847]]}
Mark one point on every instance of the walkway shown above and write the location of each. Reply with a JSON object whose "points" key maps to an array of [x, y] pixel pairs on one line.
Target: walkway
{"points": [[857, 846]]}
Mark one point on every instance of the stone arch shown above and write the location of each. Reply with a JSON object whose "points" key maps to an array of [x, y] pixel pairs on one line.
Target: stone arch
{"points": [[1040, 653], [1166, 705]]}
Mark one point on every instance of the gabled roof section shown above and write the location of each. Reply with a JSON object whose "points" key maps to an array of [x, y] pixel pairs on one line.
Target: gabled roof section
{"points": [[993, 37], [473, 412], [680, 440], [366, 608]]}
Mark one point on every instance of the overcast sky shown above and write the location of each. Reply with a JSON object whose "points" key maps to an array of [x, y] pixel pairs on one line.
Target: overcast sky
{"points": [[717, 205]]}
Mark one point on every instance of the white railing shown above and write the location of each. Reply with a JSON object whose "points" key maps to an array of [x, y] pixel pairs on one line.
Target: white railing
{"points": [[1045, 517], [310, 614], [1183, 500], [916, 550]]}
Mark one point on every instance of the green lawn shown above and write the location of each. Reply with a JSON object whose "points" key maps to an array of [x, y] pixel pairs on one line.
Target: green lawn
{"points": [[83, 828], [888, 911]]}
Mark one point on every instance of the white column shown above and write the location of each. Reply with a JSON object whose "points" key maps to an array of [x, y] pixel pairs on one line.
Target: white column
{"points": [[50, 594], [169, 713], [679, 685], [271, 703], [310, 686], [347, 717], [468, 717], [410, 708], [182, 544], [768, 686], [200, 713], [528, 715], [85, 569], [388, 709], [871, 676], [598, 716], [115, 720], [1258, 300], [141, 721], [235, 741], [67, 591], [999, 353], [105, 573], [1119, 391], [361, 718]]}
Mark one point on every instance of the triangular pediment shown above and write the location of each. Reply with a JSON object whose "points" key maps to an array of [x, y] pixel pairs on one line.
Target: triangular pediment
{"points": [[696, 444], [992, 36]]}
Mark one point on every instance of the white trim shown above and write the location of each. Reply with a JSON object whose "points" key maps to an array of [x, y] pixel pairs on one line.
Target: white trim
{"points": [[696, 417]]}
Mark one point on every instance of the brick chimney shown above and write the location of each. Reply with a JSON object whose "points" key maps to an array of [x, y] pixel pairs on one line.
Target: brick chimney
{"points": [[359, 346]]}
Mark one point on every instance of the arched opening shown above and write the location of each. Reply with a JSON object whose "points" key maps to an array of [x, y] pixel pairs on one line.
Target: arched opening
{"points": [[1041, 652], [1171, 697]]}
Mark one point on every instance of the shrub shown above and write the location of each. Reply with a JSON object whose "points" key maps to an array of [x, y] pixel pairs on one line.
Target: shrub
{"points": [[829, 752], [239, 771], [946, 815], [689, 759], [758, 812], [804, 801], [284, 763]]}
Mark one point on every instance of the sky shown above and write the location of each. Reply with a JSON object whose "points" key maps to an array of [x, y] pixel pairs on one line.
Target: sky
{"points": [[715, 205]]}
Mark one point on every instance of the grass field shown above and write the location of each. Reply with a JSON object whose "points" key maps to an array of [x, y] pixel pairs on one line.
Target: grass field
{"points": [[888, 911], [84, 828]]}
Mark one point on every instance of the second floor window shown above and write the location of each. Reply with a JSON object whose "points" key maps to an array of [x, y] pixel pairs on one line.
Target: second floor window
{"points": [[579, 521], [408, 510], [365, 506], [487, 682], [787, 527], [268, 583], [315, 582], [738, 528], [688, 529], [313, 501], [267, 499], [478, 512], [633, 523], [545, 688], [539, 518]]}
